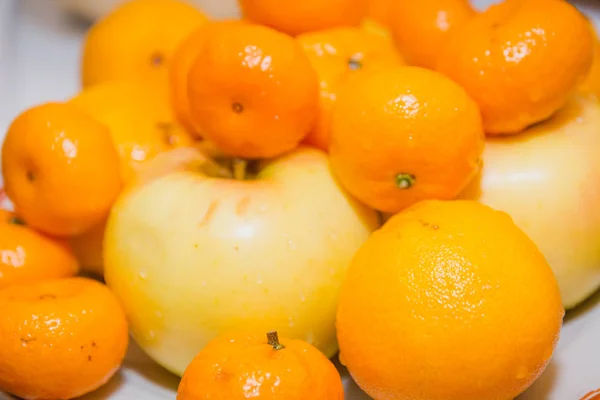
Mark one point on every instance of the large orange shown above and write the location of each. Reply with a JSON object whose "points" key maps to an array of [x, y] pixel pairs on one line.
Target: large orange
{"points": [[251, 365], [29, 256], [297, 17], [520, 60], [449, 300], [252, 90], [405, 134], [338, 54], [136, 41], [59, 339], [421, 28], [60, 168]]}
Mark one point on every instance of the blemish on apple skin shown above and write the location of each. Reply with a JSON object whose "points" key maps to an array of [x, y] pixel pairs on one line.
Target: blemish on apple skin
{"points": [[242, 206], [209, 212]]}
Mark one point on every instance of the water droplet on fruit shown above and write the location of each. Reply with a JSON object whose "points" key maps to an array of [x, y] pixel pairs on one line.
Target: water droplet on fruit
{"points": [[291, 245], [291, 322], [259, 280], [143, 275], [521, 373]]}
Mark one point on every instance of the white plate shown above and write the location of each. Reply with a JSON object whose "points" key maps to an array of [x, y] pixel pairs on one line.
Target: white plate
{"points": [[39, 56]]}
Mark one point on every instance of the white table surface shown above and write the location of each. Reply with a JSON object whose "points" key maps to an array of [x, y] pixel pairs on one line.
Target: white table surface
{"points": [[39, 61]]}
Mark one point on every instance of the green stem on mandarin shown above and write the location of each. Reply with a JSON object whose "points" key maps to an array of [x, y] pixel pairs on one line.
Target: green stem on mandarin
{"points": [[273, 340], [404, 181]]}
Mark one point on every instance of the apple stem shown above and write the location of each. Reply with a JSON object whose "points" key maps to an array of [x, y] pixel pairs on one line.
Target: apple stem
{"points": [[239, 169], [273, 340]]}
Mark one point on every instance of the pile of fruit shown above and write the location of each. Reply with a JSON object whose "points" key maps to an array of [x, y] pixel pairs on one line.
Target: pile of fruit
{"points": [[410, 183]]}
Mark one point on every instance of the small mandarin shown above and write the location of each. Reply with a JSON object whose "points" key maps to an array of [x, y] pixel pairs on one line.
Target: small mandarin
{"points": [[136, 41], [506, 58], [252, 90], [60, 169], [28, 256], [421, 28], [405, 134], [304, 16], [339, 54], [59, 339], [449, 286], [240, 366]]}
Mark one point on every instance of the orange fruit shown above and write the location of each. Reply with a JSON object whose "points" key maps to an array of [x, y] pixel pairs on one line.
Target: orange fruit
{"points": [[244, 365], [28, 256], [592, 82], [405, 134], [60, 168], [506, 58], [380, 10], [449, 286], [304, 16], [136, 41], [421, 28], [338, 54], [142, 125], [59, 339], [179, 68], [252, 90], [593, 395]]}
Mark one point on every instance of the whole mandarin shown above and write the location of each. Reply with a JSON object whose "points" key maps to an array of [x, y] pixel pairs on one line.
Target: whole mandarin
{"points": [[250, 365], [520, 60], [59, 339], [29, 256], [447, 286], [304, 16], [421, 28], [60, 168], [405, 134], [339, 54], [136, 41], [252, 90]]}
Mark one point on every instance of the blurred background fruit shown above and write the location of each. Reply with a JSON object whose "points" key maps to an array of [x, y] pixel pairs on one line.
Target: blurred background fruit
{"points": [[136, 41], [514, 80], [449, 286], [339, 54], [544, 178]]}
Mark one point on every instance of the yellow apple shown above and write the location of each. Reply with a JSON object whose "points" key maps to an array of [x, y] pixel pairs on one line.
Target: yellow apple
{"points": [[191, 255], [548, 180]]}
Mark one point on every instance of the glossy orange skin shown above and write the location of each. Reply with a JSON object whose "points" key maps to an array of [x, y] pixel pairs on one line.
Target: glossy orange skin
{"points": [[59, 339], [593, 395], [136, 41], [380, 10], [506, 58], [179, 68], [243, 365], [437, 285], [29, 256], [421, 28], [5, 216], [339, 54], [403, 122], [60, 169], [304, 16], [252, 90]]}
